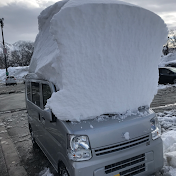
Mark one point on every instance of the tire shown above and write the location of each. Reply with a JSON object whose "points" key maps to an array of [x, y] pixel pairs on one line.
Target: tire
{"points": [[62, 171]]}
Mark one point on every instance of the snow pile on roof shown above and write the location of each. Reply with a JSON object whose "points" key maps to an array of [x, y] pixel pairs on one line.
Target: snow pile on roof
{"points": [[168, 59], [102, 54], [17, 72]]}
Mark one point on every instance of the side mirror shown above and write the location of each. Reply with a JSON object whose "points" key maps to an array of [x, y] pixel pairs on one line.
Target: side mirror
{"points": [[50, 116]]}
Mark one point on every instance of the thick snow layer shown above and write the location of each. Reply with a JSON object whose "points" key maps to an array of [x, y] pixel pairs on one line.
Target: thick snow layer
{"points": [[102, 55], [17, 72]]}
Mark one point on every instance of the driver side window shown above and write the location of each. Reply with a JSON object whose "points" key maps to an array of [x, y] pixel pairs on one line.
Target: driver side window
{"points": [[46, 91]]}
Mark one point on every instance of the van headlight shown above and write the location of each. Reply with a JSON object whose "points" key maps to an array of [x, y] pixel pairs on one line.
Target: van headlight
{"points": [[155, 128], [79, 148]]}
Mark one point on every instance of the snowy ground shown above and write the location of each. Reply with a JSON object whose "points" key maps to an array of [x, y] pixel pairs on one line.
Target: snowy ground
{"points": [[162, 86], [167, 120], [168, 59], [46, 172]]}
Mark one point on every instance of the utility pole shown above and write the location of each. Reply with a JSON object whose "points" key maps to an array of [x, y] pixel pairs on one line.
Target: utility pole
{"points": [[4, 48]]}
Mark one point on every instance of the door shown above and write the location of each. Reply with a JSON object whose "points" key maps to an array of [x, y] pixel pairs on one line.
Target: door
{"points": [[35, 111], [49, 140]]}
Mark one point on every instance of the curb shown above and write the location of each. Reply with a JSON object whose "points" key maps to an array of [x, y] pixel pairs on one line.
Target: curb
{"points": [[10, 92], [164, 108], [12, 110]]}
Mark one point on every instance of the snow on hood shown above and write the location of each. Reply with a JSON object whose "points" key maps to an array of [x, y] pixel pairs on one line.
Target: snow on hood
{"points": [[102, 55]]}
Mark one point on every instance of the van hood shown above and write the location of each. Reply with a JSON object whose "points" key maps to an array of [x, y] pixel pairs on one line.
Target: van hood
{"points": [[110, 129]]}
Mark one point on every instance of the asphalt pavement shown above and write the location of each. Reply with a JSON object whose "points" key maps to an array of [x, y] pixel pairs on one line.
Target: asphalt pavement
{"points": [[12, 102], [10, 164]]}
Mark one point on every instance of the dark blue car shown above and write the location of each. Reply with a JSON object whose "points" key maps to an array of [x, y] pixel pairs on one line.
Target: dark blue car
{"points": [[167, 75]]}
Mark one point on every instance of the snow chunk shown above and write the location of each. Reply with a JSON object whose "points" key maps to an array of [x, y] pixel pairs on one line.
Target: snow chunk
{"points": [[169, 141], [46, 172], [171, 158], [101, 55], [91, 126], [127, 135]]}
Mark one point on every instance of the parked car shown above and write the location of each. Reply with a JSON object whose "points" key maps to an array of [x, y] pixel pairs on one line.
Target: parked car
{"points": [[10, 80], [167, 75], [111, 148], [171, 65]]}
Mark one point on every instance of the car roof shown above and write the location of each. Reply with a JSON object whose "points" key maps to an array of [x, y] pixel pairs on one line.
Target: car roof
{"points": [[169, 68]]}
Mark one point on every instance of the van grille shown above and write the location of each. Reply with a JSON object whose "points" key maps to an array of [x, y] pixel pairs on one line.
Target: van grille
{"points": [[127, 163], [122, 146]]}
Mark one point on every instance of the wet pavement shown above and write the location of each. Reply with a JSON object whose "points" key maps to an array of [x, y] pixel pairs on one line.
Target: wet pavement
{"points": [[32, 159]]}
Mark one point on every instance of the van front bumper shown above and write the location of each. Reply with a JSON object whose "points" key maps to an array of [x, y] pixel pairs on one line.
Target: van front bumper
{"points": [[142, 160]]}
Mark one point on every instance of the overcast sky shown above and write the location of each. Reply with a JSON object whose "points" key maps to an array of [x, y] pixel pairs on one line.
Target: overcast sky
{"points": [[20, 16]]}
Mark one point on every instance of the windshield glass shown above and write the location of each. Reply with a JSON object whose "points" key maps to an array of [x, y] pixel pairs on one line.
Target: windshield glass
{"points": [[172, 69]]}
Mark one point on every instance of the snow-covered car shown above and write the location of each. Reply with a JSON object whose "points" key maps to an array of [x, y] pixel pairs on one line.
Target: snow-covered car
{"points": [[167, 75], [10, 80], [104, 146], [86, 110]]}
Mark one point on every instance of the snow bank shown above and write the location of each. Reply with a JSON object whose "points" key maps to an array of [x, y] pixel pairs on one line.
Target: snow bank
{"points": [[168, 59], [167, 120], [17, 72], [102, 55], [169, 141]]}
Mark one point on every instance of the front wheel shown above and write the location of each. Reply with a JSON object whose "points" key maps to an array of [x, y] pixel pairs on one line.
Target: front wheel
{"points": [[62, 171]]}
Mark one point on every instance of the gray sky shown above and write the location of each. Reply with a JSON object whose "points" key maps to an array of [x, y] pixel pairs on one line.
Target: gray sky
{"points": [[21, 16]]}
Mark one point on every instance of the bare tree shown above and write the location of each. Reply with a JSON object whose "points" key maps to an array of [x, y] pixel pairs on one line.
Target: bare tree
{"points": [[22, 54], [172, 38], [2, 61]]}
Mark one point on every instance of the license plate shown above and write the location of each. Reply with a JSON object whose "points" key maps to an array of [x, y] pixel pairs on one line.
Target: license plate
{"points": [[117, 175]]}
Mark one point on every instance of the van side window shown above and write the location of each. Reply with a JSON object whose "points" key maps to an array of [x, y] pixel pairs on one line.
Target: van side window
{"points": [[46, 93], [28, 91], [35, 93]]}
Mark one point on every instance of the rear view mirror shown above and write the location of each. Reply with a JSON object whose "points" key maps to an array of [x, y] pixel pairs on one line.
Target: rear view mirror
{"points": [[50, 116]]}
